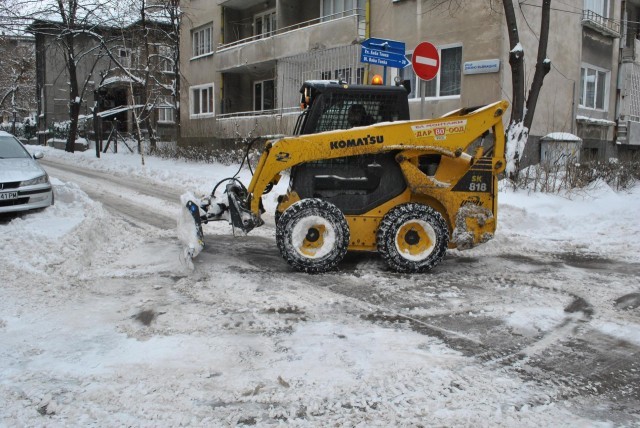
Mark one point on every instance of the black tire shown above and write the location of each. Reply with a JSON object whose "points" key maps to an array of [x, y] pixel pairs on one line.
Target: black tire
{"points": [[312, 235], [412, 238]]}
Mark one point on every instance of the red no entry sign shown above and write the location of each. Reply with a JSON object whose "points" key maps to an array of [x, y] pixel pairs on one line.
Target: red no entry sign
{"points": [[426, 61]]}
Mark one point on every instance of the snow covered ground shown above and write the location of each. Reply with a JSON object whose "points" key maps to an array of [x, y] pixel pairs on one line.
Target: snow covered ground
{"points": [[101, 323]]}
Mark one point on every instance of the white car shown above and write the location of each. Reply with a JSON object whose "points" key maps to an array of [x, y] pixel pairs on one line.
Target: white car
{"points": [[24, 185]]}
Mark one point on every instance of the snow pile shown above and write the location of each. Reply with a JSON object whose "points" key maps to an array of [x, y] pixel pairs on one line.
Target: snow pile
{"points": [[65, 238], [598, 219]]}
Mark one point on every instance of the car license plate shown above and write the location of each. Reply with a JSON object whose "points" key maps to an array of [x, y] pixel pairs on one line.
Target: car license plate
{"points": [[4, 196]]}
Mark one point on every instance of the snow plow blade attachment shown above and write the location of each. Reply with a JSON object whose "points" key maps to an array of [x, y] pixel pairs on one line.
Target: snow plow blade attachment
{"points": [[239, 215], [190, 226], [196, 211]]}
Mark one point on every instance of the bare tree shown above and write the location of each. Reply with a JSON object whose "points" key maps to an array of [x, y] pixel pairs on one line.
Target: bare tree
{"points": [[67, 25], [89, 34], [521, 119], [173, 13], [543, 64], [17, 76], [150, 32]]}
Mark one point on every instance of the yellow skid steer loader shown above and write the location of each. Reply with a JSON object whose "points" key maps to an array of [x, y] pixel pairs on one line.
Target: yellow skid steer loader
{"points": [[406, 189]]}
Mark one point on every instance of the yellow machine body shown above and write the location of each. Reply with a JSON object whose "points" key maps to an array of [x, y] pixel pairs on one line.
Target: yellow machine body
{"points": [[462, 188]]}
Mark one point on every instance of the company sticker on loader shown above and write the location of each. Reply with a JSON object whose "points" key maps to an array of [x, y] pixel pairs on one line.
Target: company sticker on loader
{"points": [[440, 130], [475, 180]]}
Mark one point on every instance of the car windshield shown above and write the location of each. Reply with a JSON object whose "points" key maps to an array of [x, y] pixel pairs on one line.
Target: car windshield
{"points": [[11, 148]]}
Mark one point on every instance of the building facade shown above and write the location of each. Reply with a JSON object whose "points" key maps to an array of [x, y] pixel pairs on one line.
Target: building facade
{"points": [[243, 62], [113, 81]]}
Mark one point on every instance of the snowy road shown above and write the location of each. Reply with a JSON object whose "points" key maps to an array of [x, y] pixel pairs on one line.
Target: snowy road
{"points": [[120, 333], [125, 197]]}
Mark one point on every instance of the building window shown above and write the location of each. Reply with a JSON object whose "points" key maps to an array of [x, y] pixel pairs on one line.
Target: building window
{"points": [[343, 75], [201, 101], [165, 58], [601, 7], [447, 83], [201, 40], [124, 57], [264, 24], [360, 76], [264, 95], [332, 9], [165, 110], [593, 87]]}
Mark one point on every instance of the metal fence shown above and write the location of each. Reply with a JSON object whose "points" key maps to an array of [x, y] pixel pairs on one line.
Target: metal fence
{"points": [[337, 63]]}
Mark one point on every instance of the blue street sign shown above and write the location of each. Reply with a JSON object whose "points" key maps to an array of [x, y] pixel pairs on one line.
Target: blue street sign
{"points": [[384, 45], [383, 58]]}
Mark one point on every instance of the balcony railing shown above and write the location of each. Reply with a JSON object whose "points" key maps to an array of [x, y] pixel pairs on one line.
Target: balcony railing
{"points": [[256, 113], [601, 24], [357, 12]]}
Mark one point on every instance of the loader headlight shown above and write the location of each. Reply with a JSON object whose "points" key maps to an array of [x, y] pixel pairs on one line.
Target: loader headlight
{"points": [[43, 179]]}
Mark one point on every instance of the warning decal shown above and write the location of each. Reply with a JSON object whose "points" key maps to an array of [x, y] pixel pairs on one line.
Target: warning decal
{"points": [[440, 130]]}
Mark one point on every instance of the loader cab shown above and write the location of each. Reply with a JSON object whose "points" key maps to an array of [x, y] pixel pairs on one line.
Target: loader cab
{"points": [[330, 104], [355, 184]]}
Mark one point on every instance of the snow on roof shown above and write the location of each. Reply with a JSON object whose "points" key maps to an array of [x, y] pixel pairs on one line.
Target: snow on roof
{"points": [[119, 79], [561, 136], [114, 111]]}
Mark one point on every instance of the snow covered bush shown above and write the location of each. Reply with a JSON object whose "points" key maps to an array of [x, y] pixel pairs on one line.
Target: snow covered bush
{"points": [[555, 177], [24, 129]]}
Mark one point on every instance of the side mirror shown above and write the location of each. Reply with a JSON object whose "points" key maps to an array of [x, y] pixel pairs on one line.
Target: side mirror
{"points": [[407, 85], [38, 155]]}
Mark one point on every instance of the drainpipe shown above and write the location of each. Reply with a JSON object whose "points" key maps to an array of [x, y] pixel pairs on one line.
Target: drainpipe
{"points": [[367, 33], [573, 107], [367, 19]]}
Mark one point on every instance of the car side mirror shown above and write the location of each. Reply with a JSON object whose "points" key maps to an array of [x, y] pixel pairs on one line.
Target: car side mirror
{"points": [[38, 155]]}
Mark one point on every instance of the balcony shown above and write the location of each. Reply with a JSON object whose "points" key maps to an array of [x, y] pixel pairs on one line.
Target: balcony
{"points": [[320, 33], [630, 53], [239, 4], [602, 25]]}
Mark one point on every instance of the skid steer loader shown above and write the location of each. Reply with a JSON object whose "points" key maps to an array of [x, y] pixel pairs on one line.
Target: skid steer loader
{"points": [[406, 189]]}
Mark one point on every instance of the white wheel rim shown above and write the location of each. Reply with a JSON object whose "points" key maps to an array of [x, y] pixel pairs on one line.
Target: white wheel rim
{"points": [[299, 235], [424, 250]]}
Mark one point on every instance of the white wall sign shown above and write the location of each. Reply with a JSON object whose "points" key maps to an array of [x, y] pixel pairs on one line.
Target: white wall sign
{"points": [[480, 67]]}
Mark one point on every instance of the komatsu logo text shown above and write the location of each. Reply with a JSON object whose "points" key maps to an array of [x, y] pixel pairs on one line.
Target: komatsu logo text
{"points": [[355, 142]]}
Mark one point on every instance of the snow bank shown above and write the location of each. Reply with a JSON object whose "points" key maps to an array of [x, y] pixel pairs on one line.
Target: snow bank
{"points": [[64, 238], [598, 219]]}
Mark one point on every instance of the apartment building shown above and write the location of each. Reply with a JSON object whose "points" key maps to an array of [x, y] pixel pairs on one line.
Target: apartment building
{"points": [[245, 60], [117, 89]]}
